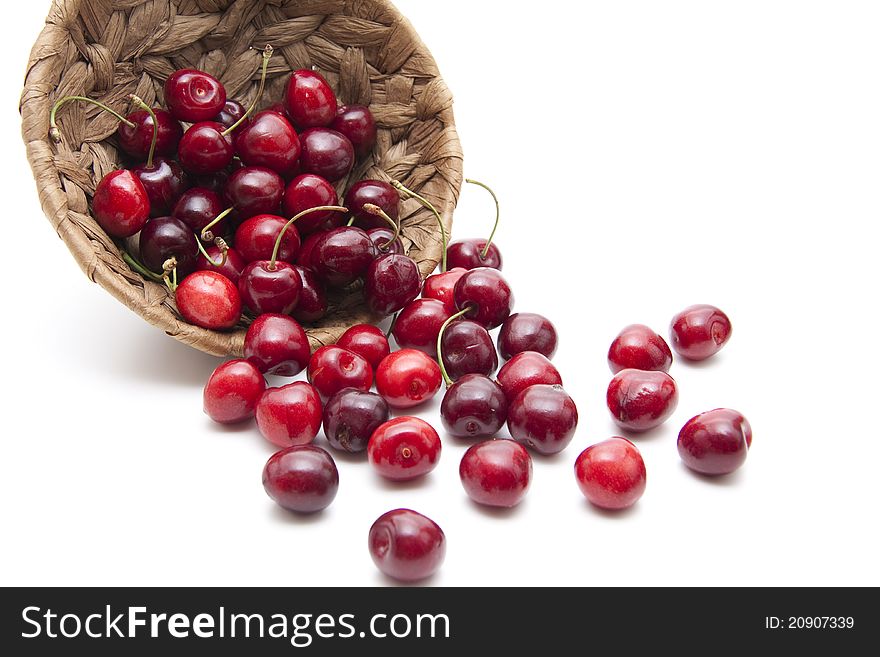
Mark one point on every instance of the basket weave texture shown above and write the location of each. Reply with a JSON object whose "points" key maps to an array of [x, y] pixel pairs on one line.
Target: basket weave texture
{"points": [[108, 49]]}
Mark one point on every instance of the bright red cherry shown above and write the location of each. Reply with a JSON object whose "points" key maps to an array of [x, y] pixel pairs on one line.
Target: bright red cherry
{"points": [[255, 238], [527, 369], [442, 287], [289, 415], [136, 139], [366, 340], [277, 344], [232, 113], [406, 545], [357, 123], [198, 207], [699, 332], [638, 347], [164, 182], [312, 304], [270, 287], [487, 294], [342, 255], [166, 237], [418, 325], [333, 368], [231, 268], [350, 418], [120, 204], [640, 400], [544, 418], [269, 141], [254, 190], [404, 448], [468, 349], [302, 478], [408, 378], [193, 95], [611, 474], [496, 473], [205, 149], [310, 191], [474, 406], [715, 442], [372, 192], [385, 241], [232, 392], [468, 254], [309, 100], [326, 153], [391, 282], [209, 299], [527, 332]]}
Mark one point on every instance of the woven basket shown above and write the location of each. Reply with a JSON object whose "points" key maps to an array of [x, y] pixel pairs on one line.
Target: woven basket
{"points": [[108, 49]]}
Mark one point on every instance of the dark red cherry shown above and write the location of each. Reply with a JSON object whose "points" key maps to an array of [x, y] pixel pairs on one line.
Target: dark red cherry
{"points": [[164, 182], [374, 192], [408, 378], [527, 332], [543, 418], [302, 478], [638, 347], [442, 287], [270, 287], [269, 141], [333, 368], [232, 392], [357, 123], [204, 149], [350, 418], [231, 114], [166, 237], [406, 545], [368, 341], [254, 190], [193, 95], [311, 191], [392, 281], [309, 100], [231, 269], [312, 304], [474, 406], [715, 442], [699, 332], [611, 474], [326, 153], [385, 241], [214, 182], [496, 473], [342, 255], [304, 257], [639, 400], [120, 204], [468, 349], [468, 254], [289, 415], [135, 140], [255, 238], [209, 299], [198, 207], [404, 448], [526, 369], [277, 344], [418, 325], [487, 294]]}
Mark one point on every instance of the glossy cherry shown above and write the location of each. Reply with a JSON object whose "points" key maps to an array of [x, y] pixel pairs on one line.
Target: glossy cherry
{"points": [[715, 442], [408, 378], [406, 545], [304, 257], [468, 349], [404, 448], [496, 473], [640, 400], [527, 369], [135, 140], [367, 340], [309, 100], [232, 392], [231, 268], [333, 368], [468, 254], [268, 286], [255, 238], [198, 207], [164, 182], [372, 192], [254, 190], [269, 141], [700, 331], [209, 299], [205, 149], [277, 344], [488, 296], [357, 123], [527, 332], [303, 478], [312, 304], [120, 204], [638, 347], [350, 418], [166, 237], [418, 325], [611, 474], [391, 282], [543, 418], [232, 113], [342, 255], [385, 240], [310, 191], [289, 415], [326, 153], [474, 406], [442, 287], [193, 95]]}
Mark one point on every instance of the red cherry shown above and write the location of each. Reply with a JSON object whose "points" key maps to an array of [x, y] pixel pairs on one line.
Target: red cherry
{"points": [[442, 287], [366, 340], [408, 378], [638, 347], [468, 254], [232, 392], [255, 238], [303, 478], [309, 100], [204, 149], [527, 332], [164, 183], [304, 257], [467, 348], [527, 369], [699, 332], [231, 269], [391, 282], [333, 368], [639, 400], [326, 153], [270, 287], [406, 545], [357, 123], [342, 255], [197, 208], [372, 192], [289, 415], [254, 190], [418, 325], [120, 204], [210, 300], [136, 139], [611, 474], [386, 241], [544, 418], [269, 141], [487, 294], [232, 113], [715, 442], [311, 191], [166, 237], [312, 304], [277, 344], [193, 95], [404, 448], [350, 418], [496, 473], [474, 406]]}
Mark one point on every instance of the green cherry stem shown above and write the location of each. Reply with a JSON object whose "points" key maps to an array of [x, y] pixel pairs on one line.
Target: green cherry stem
{"points": [[224, 251], [320, 208], [206, 233], [139, 268], [55, 133], [460, 313], [497, 215], [350, 223], [376, 211], [426, 203], [140, 103], [267, 54]]}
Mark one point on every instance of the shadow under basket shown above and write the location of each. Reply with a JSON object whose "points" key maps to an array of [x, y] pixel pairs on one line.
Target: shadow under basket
{"points": [[109, 49]]}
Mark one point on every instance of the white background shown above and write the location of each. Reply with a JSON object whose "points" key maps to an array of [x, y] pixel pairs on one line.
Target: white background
{"points": [[648, 156]]}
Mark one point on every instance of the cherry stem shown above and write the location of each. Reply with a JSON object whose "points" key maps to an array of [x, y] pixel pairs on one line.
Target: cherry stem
{"points": [[169, 273], [376, 211], [224, 251], [320, 208], [426, 203], [139, 268], [350, 223], [140, 103], [55, 133], [267, 54], [206, 233], [460, 313], [391, 325], [485, 251]]}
